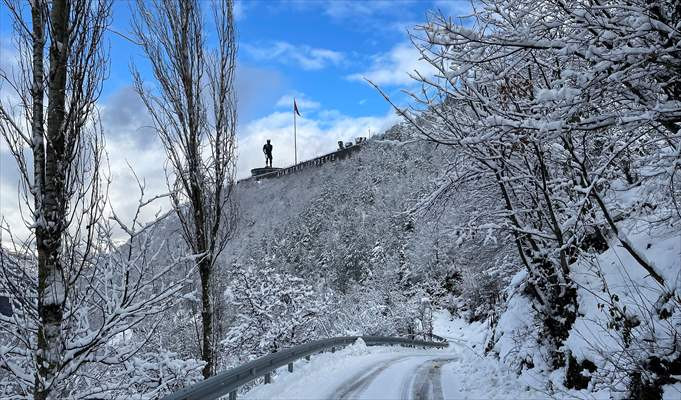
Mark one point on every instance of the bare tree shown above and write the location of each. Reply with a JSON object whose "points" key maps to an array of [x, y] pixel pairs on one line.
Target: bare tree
{"points": [[194, 113], [58, 141], [79, 298]]}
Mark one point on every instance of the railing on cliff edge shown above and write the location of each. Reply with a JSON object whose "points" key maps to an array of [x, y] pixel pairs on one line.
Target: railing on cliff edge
{"points": [[228, 382], [339, 154]]}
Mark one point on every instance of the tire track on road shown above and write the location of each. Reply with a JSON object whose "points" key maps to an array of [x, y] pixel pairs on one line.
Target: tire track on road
{"points": [[426, 383], [423, 383], [357, 384]]}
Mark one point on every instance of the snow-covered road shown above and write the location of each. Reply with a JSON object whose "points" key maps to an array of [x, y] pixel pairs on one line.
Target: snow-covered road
{"points": [[392, 373], [376, 373], [403, 377]]}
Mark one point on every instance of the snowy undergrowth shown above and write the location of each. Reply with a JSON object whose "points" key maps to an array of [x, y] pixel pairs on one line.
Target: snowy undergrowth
{"points": [[479, 375], [460, 332], [618, 326]]}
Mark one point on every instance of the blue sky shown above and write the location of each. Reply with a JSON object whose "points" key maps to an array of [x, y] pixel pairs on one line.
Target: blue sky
{"points": [[320, 49], [317, 51]]}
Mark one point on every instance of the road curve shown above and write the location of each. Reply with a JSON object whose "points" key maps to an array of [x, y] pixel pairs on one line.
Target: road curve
{"points": [[404, 377]]}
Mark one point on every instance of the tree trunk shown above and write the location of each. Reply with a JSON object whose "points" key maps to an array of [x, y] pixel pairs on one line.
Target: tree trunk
{"points": [[207, 317], [179, 63], [205, 263], [51, 199]]}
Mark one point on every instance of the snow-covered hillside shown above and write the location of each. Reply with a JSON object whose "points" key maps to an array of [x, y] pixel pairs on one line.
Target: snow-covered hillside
{"points": [[357, 245], [621, 320], [335, 250]]}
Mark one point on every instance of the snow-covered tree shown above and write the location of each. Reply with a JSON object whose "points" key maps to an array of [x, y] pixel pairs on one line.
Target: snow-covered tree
{"points": [[65, 151], [273, 309], [83, 304], [193, 108], [554, 108]]}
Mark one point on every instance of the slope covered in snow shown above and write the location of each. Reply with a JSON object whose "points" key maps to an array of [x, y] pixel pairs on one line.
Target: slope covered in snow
{"points": [[624, 318], [370, 233]]}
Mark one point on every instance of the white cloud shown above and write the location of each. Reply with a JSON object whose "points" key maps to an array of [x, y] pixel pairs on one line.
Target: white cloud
{"points": [[303, 103], [128, 143], [306, 57], [394, 67], [316, 136], [10, 213]]}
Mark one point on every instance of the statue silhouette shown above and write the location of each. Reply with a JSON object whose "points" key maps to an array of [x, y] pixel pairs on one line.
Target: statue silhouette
{"points": [[267, 149]]}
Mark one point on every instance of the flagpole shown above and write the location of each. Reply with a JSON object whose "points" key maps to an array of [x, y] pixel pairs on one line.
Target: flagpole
{"points": [[295, 138]]}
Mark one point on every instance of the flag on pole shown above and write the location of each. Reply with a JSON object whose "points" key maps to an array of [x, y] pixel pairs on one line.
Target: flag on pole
{"points": [[295, 108], [295, 138]]}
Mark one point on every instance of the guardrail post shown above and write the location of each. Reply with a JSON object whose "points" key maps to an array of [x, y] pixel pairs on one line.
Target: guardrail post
{"points": [[232, 395], [290, 367], [333, 349], [268, 378]]}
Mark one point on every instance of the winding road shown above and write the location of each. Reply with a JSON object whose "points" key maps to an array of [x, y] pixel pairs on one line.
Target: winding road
{"points": [[396, 373]]}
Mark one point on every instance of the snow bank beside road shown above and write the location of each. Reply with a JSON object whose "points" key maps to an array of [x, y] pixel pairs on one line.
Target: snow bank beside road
{"points": [[475, 375], [619, 325]]}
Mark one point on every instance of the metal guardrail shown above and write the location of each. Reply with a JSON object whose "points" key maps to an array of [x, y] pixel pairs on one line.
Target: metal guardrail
{"points": [[229, 381], [433, 336]]}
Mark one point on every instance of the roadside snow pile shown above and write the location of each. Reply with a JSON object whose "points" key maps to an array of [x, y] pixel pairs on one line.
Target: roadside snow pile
{"points": [[358, 348]]}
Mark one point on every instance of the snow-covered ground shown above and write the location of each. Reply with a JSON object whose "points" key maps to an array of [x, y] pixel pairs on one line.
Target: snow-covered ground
{"points": [[360, 372]]}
